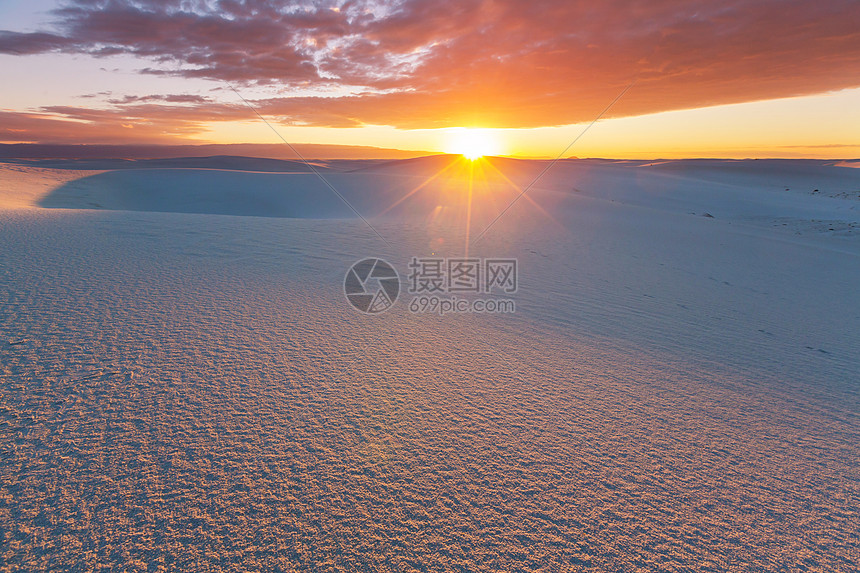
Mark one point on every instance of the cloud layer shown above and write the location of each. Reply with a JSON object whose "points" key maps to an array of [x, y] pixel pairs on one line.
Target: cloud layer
{"points": [[494, 63]]}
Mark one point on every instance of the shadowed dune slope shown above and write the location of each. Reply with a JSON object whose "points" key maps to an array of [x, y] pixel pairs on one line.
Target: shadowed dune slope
{"points": [[202, 191]]}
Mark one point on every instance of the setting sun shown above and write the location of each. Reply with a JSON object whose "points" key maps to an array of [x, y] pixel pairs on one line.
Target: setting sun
{"points": [[472, 143]]}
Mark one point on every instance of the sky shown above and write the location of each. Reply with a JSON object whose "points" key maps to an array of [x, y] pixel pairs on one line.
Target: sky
{"points": [[664, 78]]}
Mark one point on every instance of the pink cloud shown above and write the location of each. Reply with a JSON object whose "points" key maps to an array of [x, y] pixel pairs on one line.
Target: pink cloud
{"points": [[505, 63]]}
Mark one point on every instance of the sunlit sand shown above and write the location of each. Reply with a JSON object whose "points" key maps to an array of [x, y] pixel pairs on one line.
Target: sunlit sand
{"points": [[183, 385]]}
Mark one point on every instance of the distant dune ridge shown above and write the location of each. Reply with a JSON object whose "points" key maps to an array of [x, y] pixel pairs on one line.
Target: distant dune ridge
{"points": [[251, 150], [230, 185], [184, 386]]}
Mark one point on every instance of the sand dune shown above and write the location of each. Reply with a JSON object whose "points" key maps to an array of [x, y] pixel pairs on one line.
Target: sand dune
{"points": [[799, 195], [202, 191], [222, 162], [184, 387]]}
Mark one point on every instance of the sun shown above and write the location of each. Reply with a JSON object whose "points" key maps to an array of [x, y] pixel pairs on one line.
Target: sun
{"points": [[472, 143]]}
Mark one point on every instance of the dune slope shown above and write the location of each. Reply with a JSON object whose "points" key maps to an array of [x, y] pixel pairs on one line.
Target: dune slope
{"points": [[185, 387]]}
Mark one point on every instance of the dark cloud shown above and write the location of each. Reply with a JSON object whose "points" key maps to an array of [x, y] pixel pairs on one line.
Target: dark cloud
{"points": [[431, 63], [22, 44]]}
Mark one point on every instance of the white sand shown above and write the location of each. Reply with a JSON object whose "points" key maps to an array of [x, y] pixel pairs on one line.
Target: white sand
{"points": [[676, 391]]}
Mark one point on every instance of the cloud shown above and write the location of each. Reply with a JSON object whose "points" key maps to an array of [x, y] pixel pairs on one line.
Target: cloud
{"points": [[22, 44], [46, 128], [136, 123], [496, 63], [170, 98]]}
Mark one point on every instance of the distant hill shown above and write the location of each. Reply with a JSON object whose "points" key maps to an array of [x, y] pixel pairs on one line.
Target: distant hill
{"points": [[261, 150]]}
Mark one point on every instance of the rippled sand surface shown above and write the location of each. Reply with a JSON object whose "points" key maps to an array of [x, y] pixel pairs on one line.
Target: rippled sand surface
{"points": [[190, 391]]}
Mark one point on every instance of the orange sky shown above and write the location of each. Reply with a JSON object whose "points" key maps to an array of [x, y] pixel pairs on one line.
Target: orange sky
{"points": [[729, 78]]}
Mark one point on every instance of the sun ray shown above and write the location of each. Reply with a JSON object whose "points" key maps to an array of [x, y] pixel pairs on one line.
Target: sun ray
{"points": [[419, 187], [534, 203], [469, 206]]}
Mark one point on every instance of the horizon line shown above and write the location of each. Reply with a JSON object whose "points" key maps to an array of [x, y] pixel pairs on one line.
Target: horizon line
{"points": [[173, 150]]}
